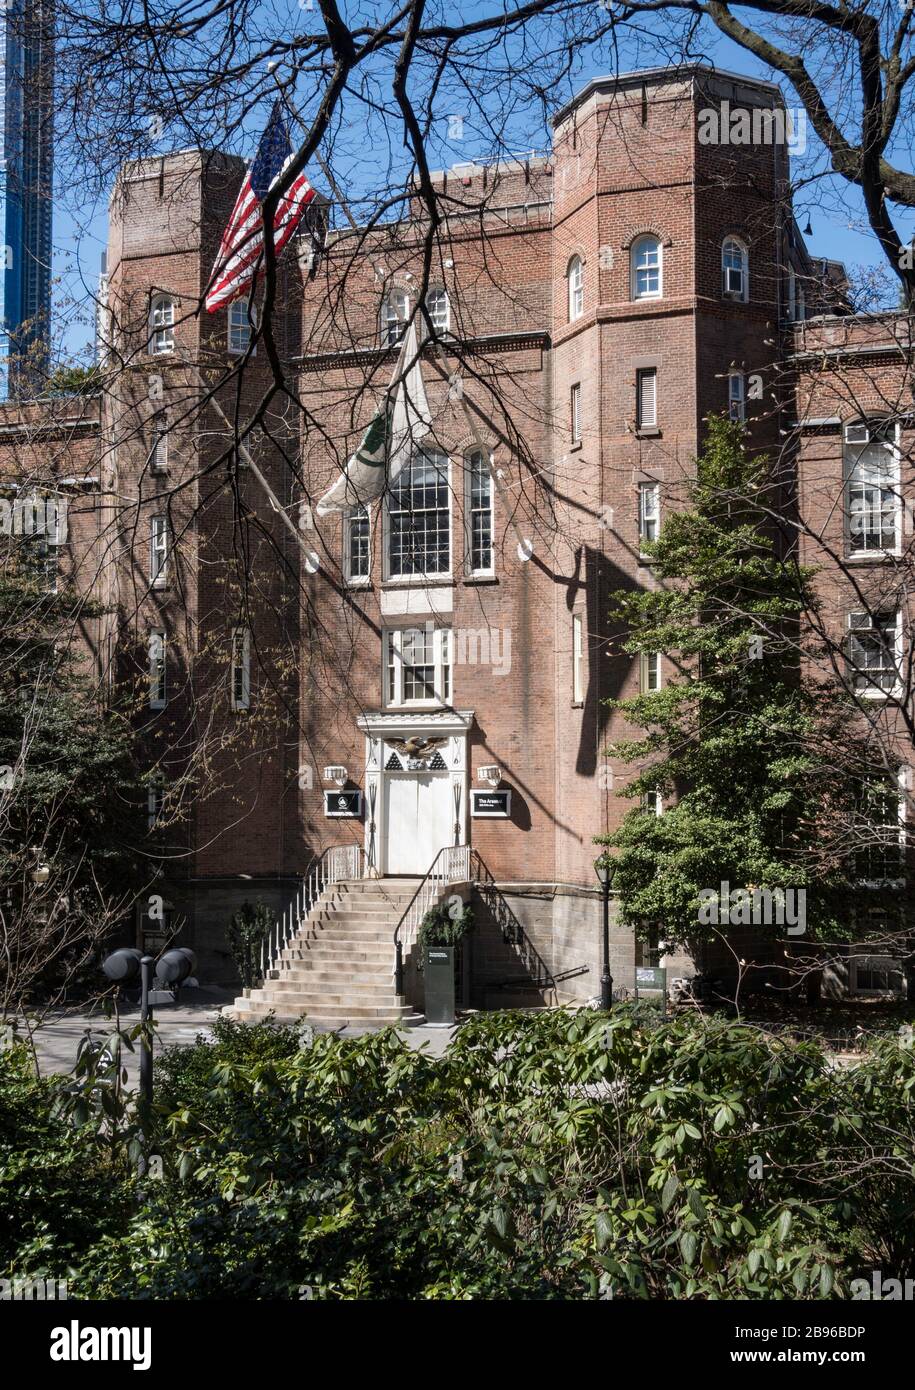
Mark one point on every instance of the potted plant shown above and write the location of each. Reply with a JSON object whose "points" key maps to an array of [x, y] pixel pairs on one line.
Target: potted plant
{"points": [[440, 937]]}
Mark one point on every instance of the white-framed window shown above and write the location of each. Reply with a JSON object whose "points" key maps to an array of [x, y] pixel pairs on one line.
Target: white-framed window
{"points": [[162, 324], [650, 672], [737, 396], [419, 519], [873, 501], [438, 307], [649, 511], [480, 513], [653, 802], [155, 800], [357, 546], [42, 544], [880, 858], [875, 653], [158, 455], [242, 322], [575, 413], [578, 659], [158, 551], [157, 669], [395, 308], [646, 260], [241, 668], [575, 276], [876, 976], [646, 398], [417, 665], [734, 269]]}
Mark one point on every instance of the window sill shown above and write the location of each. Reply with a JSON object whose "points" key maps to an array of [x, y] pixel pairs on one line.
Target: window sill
{"points": [[578, 704], [575, 446], [651, 432], [481, 579], [872, 557], [419, 581], [358, 583]]}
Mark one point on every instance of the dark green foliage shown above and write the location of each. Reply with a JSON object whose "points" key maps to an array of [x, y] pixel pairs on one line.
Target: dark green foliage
{"points": [[439, 928], [248, 930], [760, 770], [545, 1156]]}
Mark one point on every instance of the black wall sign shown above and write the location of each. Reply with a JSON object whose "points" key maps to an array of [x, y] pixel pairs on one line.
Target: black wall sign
{"points": [[491, 803], [345, 803]]}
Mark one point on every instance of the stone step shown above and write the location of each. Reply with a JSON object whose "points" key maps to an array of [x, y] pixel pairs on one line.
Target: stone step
{"points": [[381, 996], [312, 983], [324, 975], [294, 1008]]}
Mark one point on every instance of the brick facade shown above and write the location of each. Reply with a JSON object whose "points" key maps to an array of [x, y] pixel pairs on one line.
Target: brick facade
{"points": [[626, 162]]}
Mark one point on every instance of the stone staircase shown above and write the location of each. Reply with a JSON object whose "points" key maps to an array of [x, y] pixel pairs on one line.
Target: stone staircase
{"points": [[337, 968]]}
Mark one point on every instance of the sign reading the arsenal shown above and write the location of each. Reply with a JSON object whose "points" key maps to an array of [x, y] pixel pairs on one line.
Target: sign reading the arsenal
{"points": [[347, 803], [491, 803]]}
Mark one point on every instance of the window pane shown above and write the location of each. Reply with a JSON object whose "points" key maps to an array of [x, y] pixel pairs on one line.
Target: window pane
{"points": [[480, 514], [647, 267], [420, 519], [357, 558], [872, 655], [871, 497]]}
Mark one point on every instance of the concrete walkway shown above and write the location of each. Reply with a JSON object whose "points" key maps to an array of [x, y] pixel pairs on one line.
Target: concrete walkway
{"points": [[179, 1025]]}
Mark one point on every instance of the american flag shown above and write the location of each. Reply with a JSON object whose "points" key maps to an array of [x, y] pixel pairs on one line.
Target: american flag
{"points": [[241, 252]]}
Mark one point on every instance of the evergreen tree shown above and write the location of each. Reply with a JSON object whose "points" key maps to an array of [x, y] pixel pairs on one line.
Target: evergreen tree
{"points": [[760, 769]]}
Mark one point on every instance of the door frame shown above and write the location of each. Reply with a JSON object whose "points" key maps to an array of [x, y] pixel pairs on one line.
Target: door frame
{"points": [[452, 725]]}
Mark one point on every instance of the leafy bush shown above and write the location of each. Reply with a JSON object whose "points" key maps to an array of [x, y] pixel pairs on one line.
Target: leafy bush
{"points": [[545, 1156], [439, 928]]}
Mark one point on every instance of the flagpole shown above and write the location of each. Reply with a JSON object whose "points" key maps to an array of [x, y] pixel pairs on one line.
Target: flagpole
{"points": [[525, 544]]}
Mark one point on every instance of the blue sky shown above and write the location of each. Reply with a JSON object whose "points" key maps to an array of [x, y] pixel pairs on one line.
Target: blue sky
{"points": [[80, 230]]}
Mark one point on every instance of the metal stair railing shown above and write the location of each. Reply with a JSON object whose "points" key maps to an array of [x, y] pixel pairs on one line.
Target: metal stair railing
{"points": [[450, 865], [337, 863], [513, 933]]}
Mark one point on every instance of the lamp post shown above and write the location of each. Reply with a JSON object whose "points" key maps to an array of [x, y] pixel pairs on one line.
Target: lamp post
{"points": [[605, 870]]}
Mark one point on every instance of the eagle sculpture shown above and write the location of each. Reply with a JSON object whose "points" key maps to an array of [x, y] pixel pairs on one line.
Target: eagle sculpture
{"points": [[417, 748]]}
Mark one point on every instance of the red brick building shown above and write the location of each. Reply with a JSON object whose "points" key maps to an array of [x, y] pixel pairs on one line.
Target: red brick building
{"points": [[446, 655]]}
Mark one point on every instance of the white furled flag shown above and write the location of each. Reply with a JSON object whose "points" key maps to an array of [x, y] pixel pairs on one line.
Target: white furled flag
{"points": [[241, 254], [400, 421]]}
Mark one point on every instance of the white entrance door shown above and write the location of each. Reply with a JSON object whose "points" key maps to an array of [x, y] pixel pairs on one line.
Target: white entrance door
{"points": [[419, 819]]}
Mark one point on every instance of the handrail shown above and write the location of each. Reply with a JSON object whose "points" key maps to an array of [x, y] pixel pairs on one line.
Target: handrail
{"points": [[464, 865], [456, 869], [336, 863], [513, 932]]}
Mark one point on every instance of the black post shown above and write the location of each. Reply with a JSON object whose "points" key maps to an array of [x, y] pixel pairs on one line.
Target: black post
{"points": [[606, 979], [147, 965], [398, 968]]}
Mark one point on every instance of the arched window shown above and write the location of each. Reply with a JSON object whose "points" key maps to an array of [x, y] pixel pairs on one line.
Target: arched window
{"points": [[394, 310], [162, 324], [647, 268], [439, 310], [734, 269], [576, 278], [242, 319]]}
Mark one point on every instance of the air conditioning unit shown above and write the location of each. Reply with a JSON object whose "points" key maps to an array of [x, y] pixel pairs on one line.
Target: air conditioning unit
{"points": [[859, 622], [857, 433]]}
